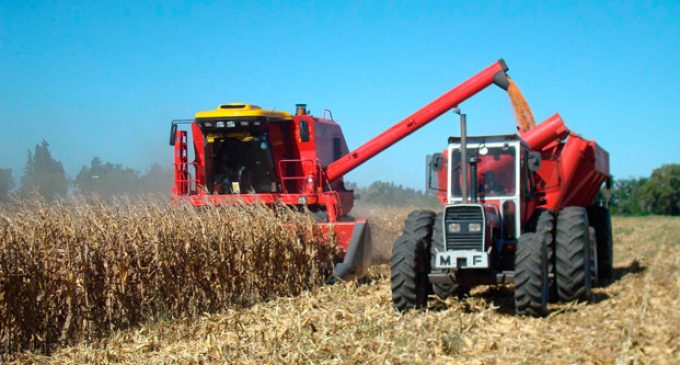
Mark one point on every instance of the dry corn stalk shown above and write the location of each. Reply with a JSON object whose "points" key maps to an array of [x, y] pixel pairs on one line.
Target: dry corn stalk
{"points": [[76, 269]]}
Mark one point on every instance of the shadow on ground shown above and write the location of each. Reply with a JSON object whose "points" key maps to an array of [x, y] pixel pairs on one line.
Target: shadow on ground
{"points": [[502, 297]]}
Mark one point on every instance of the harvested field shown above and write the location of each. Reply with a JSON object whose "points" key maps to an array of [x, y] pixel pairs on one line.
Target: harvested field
{"points": [[78, 269], [636, 319]]}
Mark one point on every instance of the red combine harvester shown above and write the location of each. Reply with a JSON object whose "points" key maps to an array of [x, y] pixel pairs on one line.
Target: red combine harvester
{"points": [[246, 155]]}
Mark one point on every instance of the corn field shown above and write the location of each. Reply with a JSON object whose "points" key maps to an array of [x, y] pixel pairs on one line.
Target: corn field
{"points": [[74, 270]]}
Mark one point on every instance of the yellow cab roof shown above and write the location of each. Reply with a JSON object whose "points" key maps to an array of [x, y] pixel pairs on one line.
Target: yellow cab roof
{"points": [[243, 110]]}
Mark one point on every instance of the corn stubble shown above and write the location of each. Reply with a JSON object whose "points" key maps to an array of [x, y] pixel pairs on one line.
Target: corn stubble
{"points": [[632, 321], [77, 269]]}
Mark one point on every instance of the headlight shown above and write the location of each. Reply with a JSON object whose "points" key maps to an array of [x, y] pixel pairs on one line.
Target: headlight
{"points": [[231, 124], [475, 227], [220, 124], [454, 227]]}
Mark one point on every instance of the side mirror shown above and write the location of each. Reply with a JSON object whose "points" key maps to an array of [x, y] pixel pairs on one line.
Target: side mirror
{"points": [[435, 164], [534, 161], [173, 134]]}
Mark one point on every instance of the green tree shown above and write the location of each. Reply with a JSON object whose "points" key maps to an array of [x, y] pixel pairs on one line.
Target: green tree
{"points": [[626, 197], [157, 180], [661, 193], [390, 194], [107, 180], [6, 183], [43, 174]]}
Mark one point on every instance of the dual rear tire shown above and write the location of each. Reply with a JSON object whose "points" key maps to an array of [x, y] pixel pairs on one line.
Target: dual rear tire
{"points": [[532, 265]]}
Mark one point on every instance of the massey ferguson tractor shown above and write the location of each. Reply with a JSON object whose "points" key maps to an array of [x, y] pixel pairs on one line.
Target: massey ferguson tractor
{"points": [[243, 154], [518, 209]]}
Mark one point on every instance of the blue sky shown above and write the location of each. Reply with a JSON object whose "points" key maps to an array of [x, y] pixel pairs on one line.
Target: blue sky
{"points": [[105, 79]]}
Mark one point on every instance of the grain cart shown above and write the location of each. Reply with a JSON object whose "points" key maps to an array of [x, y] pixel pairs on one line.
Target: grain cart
{"points": [[243, 154], [518, 209]]}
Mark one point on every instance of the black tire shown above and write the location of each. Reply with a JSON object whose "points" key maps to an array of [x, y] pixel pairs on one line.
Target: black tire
{"points": [[437, 245], [531, 275], [411, 262], [572, 257], [599, 218], [545, 227], [592, 246]]}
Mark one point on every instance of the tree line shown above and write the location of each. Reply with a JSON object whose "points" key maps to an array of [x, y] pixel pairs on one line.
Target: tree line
{"points": [[44, 175], [656, 194]]}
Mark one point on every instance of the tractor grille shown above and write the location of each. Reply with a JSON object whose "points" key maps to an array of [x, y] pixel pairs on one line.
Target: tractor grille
{"points": [[464, 240]]}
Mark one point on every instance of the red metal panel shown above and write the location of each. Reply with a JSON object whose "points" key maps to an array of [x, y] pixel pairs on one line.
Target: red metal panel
{"points": [[414, 121], [547, 132], [199, 149]]}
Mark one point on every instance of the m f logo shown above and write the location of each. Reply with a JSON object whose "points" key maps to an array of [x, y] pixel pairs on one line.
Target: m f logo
{"points": [[444, 260]]}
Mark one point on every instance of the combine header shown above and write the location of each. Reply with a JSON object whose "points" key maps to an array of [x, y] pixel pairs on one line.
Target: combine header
{"points": [[248, 155]]}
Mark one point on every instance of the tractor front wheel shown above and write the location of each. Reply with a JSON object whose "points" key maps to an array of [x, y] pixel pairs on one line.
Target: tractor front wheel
{"points": [[531, 275], [410, 262]]}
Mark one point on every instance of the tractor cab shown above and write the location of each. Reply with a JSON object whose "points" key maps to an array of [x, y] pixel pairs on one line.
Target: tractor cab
{"points": [[487, 190], [498, 178]]}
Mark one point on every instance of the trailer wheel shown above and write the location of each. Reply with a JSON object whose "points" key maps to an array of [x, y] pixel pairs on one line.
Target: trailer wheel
{"points": [[572, 256], [410, 262], [600, 219], [531, 275], [437, 245], [592, 246]]}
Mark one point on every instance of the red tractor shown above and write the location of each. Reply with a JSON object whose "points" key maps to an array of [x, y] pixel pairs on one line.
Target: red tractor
{"points": [[242, 154], [518, 209]]}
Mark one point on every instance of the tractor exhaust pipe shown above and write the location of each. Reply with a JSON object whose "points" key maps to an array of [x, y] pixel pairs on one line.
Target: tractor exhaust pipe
{"points": [[463, 155]]}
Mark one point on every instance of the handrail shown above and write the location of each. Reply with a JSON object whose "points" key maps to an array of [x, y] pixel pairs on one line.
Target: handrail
{"points": [[285, 177]]}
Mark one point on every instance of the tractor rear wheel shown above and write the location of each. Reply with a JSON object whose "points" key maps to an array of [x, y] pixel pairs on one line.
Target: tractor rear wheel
{"points": [[531, 275], [411, 262], [572, 255], [545, 227], [600, 219], [437, 245]]}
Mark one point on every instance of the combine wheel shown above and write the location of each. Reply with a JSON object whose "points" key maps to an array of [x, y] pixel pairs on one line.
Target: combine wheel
{"points": [[572, 256], [600, 219], [438, 245], [410, 262], [531, 275]]}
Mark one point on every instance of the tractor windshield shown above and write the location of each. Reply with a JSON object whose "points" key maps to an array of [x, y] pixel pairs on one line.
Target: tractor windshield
{"points": [[495, 171]]}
